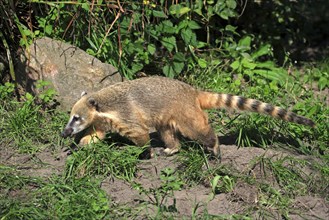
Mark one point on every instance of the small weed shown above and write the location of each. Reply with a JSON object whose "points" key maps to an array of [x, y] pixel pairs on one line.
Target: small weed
{"points": [[46, 96], [273, 199], [7, 90], [222, 184], [158, 196]]}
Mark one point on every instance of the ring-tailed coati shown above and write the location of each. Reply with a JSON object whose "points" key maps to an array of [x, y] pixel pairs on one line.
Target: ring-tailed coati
{"points": [[173, 108]]}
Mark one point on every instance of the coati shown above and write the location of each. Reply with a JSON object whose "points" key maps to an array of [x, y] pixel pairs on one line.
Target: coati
{"points": [[170, 106]]}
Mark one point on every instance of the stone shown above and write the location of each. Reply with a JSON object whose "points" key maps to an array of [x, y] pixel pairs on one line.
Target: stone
{"points": [[69, 70]]}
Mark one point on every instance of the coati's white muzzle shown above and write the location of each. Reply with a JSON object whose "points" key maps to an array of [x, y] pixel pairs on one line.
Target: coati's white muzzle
{"points": [[74, 126]]}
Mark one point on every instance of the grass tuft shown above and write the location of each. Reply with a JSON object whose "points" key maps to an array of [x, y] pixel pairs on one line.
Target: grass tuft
{"points": [[103, 159]]}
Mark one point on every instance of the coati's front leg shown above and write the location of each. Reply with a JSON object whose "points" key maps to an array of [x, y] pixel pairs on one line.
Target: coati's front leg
{"points": [[140, 139], [92, 135]]}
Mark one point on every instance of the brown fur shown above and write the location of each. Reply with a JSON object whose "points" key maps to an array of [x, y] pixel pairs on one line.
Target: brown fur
{"points": [[172, 107]]}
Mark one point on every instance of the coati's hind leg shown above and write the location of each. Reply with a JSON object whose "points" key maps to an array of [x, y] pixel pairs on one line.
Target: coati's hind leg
{"points": [[169, 137]]}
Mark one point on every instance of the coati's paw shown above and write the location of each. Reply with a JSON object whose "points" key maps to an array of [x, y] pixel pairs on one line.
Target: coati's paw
{"points": [[170, 151], [85, 140], [92, 138]]}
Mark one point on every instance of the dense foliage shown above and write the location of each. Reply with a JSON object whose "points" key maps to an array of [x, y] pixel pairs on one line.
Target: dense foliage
{"points": [[172, 37]]}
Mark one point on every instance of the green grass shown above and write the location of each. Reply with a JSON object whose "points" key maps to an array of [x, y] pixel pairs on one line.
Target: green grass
{"points": [[38, 199], [30, 127], [103, 159]]}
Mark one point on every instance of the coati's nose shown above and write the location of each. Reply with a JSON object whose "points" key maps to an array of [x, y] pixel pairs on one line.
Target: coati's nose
{"points": [[67, 132]]}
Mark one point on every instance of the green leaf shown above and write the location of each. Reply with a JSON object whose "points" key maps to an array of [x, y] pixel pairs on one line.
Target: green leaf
{"points": [[246, 41], [231, 29], [210, 11], [201, 44], [198, 11], [266, 64], [235, 65], [168, 71], [246, 56], [169, 43], [178, 67], [247, 64], [323, 83], [159, 14], [278, 76], [264, 50], [174, 9], [27, 32], [178, 10], [237, 82], [136, 67], [219, 6], [224, 14], [28, 96], [179, 57], [166, 27], [48, 29], [202, 63], [189, 37], [182, 25], [193, 25], [85, 6], [312, 111], [214, 183], [91, 43], [184, 10], [231, 4], [173, 69], [151, 49]]}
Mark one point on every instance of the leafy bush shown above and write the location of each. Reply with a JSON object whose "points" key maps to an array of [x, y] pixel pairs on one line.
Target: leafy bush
{"points": [[151, 36]]}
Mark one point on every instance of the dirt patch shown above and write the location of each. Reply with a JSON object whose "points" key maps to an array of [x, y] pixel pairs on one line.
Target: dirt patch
{"points": [[41, 164], [197, 199], [189, 201], [310, 207]]}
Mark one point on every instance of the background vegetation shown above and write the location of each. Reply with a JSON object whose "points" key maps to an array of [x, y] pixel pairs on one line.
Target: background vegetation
{"points": [[243, 47]]}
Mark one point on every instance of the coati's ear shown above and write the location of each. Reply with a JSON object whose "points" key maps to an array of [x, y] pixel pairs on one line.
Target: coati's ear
{"points": [[83, 93], [92, 102]]}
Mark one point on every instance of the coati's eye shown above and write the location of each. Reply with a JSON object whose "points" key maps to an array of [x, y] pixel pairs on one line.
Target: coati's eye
{"points": [[76, 117]]}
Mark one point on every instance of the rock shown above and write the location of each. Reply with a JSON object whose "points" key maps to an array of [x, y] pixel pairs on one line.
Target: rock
{"points": [[69, 69]]}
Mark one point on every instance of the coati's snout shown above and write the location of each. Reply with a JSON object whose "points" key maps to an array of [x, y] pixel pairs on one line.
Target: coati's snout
{"points": [[82, 116], [74, 126], [67, 132]]}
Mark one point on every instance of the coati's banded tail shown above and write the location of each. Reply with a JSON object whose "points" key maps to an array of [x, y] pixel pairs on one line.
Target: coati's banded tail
{"points": [[210, 100]]}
